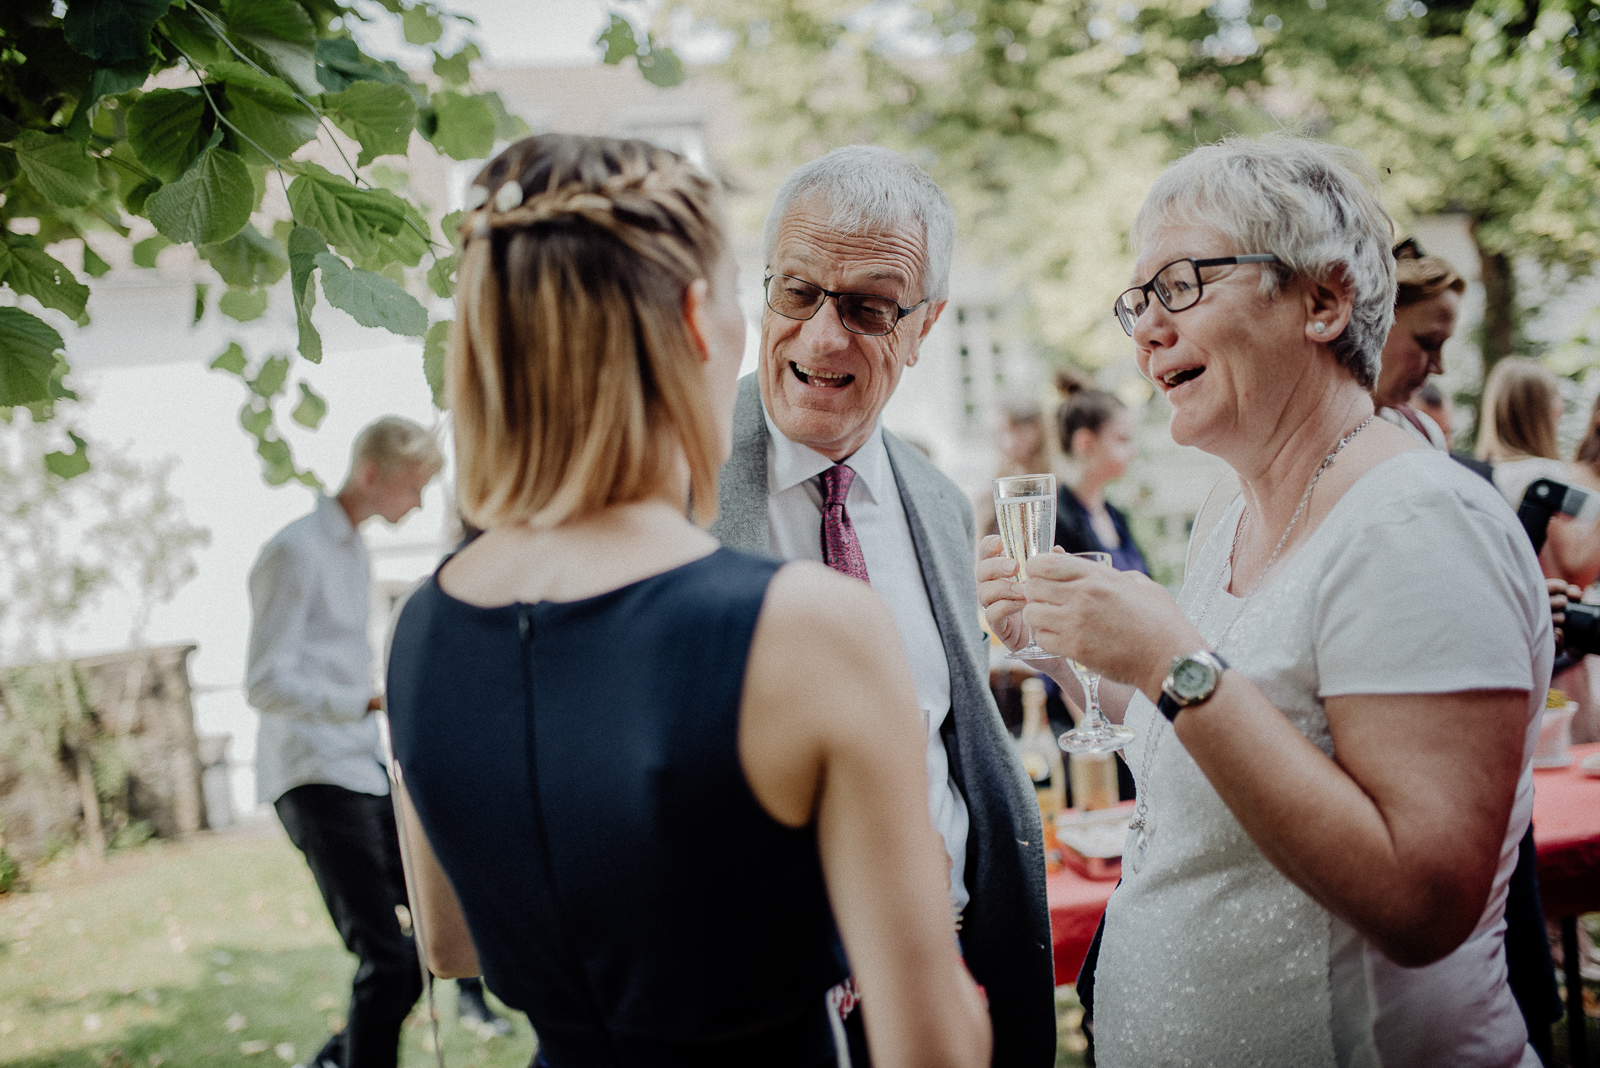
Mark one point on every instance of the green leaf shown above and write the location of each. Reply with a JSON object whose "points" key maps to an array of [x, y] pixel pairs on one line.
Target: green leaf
{"points": [[57, 167], [282, 33], [271, 122], [309, 412], [47, 280], [466, 125], [507, 127], [243, 305], [231, 360], [255, 417], [661, 67], [28, 347], [248, 259], [111, 31], [380, 117], [200, 291], [164, 128], [305, 244], [435, 348], [340, 64], [442, 275], [69, 464], [93, 265], [210, 202], [456, 70], [618, 40], [350, 219], [371, 299], [269, 381], [107, 81], [276, 460], [145, 252], [421, 26]]}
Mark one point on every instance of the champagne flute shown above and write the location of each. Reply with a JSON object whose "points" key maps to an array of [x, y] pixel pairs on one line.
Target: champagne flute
{"points": [[1025, 505], [1095, 734]]}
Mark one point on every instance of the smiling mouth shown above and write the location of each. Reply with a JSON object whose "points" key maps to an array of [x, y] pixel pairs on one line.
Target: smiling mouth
{"points": [[1178, 378], [813, 376]]}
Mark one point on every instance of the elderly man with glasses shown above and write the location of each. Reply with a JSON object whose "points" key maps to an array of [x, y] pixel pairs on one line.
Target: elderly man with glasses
{"points": [[814, 475]]}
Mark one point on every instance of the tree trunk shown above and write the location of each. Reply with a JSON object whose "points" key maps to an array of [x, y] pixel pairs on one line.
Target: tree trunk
{"points": [[1499, 305]]}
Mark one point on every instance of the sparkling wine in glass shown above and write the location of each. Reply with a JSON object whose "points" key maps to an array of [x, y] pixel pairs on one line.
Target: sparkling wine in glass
{"points": [[1095, 734], [1025, 506]]}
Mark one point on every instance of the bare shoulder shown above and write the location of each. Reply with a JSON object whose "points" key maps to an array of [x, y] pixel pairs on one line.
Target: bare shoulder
{"points": [[810, 606]]}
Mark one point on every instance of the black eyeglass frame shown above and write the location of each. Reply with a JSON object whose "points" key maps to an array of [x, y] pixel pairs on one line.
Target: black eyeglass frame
{"points": [[1199, 284], [766, 294]]}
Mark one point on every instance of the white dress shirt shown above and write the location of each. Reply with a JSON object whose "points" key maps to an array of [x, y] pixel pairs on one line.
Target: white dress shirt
{"points": [[794, 514], [310, 669]]}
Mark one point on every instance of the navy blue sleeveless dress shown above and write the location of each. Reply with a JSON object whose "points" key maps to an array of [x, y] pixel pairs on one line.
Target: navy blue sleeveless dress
{"points": [[576, 768]]}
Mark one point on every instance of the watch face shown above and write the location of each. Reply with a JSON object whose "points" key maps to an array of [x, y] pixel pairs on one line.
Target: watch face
{"points": [[1192, 678]]}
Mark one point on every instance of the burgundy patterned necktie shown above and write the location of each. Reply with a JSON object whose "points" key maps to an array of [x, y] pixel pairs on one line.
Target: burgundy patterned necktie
{"points": [[841, 549]]}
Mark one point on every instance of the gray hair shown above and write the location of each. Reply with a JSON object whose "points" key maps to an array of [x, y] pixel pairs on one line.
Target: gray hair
{"points": [[866, 187], [1313, 204]]}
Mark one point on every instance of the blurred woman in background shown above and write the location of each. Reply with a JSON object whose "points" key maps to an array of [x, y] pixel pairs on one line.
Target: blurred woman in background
{"points": [[1522, 406], [1427, 300], [1096, 432], [1024, 447]]}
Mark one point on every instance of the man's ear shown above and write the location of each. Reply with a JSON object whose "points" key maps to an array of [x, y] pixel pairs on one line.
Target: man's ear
{"points": [[934, 311], [695, 300]]}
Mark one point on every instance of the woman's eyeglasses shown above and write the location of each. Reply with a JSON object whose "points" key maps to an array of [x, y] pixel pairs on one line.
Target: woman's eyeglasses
{"points": [[860, 313], [1177, 286]]}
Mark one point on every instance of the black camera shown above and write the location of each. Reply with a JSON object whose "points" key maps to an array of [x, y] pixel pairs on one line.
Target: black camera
{"points": [[1543, 500]]}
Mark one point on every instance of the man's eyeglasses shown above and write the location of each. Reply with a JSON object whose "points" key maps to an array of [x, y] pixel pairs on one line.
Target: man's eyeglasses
{"points": [[1177, 286], [860, 313]]}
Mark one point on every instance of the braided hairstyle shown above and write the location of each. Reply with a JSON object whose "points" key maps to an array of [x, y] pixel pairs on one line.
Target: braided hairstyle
{"points": [[572, 377]]}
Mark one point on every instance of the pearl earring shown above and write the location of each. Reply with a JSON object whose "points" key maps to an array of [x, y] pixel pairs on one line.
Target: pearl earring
{"points": [[1320, 328]]}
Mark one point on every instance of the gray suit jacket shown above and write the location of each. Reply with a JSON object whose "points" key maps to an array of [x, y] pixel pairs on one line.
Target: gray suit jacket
{"points": [[1006, 929]]}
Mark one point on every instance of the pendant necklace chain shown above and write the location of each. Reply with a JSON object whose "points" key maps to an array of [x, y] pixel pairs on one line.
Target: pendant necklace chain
{"points": [[1141, 824]]}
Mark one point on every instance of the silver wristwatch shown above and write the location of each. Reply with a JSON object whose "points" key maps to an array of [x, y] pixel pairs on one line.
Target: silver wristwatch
{"points": [[1193, 679]]}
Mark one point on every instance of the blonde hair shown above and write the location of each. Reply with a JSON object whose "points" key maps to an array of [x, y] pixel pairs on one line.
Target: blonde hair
{"points": [[572, 373], [394, 440], [1519, 417], [1424, 277]]}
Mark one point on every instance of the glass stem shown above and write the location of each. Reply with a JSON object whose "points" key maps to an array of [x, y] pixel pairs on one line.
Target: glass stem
{"points": [[1091, 694]]}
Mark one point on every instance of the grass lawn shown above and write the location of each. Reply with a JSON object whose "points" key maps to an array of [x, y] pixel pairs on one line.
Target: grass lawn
{"points": [[212, 953]]}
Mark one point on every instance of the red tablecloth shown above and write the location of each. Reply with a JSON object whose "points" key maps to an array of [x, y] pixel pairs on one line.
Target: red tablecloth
{"points": [[1566, 829]]}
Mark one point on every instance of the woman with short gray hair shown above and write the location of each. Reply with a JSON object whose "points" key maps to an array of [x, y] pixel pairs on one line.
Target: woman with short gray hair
{"points": [[1332, 742]]}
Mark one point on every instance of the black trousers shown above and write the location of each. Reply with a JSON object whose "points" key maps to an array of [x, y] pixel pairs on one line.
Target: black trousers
{"points": [[350, 842]]}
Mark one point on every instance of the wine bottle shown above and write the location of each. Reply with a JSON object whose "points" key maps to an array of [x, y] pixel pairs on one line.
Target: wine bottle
{"points": [[1041, 758]]}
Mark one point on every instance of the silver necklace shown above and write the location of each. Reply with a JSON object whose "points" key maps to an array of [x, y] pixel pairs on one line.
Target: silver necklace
{"points": [[1142, 825]]}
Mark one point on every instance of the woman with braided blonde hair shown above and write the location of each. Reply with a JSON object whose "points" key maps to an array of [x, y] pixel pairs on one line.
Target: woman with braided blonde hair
{"points": [[671, 785]]}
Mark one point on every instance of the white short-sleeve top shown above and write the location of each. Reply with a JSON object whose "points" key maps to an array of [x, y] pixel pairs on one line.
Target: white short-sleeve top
{"points": [[1420, 580]]}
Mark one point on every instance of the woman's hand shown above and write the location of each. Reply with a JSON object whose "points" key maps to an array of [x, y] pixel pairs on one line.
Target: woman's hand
{"points": [[1118, 623], [1000, 596]]}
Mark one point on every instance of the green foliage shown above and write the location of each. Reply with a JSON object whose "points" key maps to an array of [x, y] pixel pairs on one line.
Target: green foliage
{"points": [[1047, 120], [371, 299], [436, 346], [309, 412], [380, 117], [209, 202], [69, 464], [184, 113], [29, 351], [659, 64]]}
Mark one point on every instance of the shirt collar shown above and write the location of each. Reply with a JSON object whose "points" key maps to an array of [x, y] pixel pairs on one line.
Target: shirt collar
{"points": [[335, 520], [790, 463]]}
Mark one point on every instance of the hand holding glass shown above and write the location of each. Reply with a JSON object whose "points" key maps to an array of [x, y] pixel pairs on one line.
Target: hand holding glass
{"points": [[1095, 734], [1025, 506]]}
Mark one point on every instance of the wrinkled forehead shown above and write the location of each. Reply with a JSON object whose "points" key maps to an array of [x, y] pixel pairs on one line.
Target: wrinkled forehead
{"points": [[826, 235]]}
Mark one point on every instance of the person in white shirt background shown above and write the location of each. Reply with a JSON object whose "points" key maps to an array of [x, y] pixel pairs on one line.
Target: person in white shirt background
{"points": [[318, 760]]}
